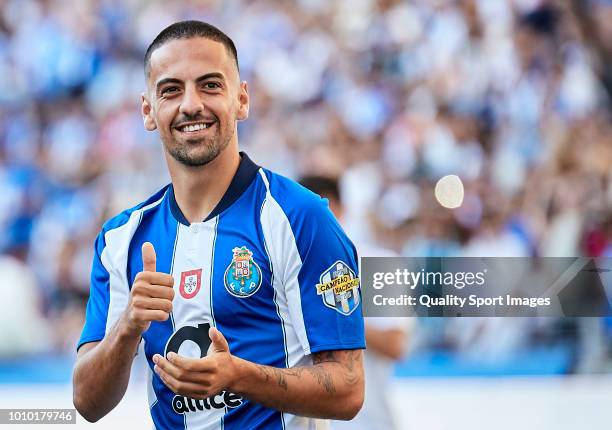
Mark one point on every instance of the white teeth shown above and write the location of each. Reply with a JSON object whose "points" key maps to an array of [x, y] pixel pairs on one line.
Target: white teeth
{"points": [[194, 127]]}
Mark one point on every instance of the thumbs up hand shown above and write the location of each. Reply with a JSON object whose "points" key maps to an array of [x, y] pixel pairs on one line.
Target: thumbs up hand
{"points": [[199, 378], [149, 258], [151, 296]]}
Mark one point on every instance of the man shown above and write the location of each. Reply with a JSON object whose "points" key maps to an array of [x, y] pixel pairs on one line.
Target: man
{"points": [[240, 282], [386, 337]]}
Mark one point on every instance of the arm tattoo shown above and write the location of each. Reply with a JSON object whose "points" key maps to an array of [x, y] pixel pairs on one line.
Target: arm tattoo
{"points": [[325, 357], [323, 377], [279, 375], [280, 379], [268, 372], [348, 361]]}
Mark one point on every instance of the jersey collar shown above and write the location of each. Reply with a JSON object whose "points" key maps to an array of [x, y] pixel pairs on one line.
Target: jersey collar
{"points": [[247, 170]]}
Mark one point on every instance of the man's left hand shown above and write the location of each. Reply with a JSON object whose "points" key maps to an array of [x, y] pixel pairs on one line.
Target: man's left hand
{"points": [[199, 378]]}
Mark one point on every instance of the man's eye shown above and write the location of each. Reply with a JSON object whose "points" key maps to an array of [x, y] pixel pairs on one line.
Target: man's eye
{"points": [[169, 90], [211, 85]]}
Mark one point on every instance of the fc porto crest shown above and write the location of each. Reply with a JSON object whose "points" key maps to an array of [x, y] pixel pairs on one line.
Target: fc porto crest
{"points": [[243, 276], [190, 283], [339, 288]]}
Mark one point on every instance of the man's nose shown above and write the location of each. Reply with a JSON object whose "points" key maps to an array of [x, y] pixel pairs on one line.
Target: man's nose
{"points": [[191, 105]]}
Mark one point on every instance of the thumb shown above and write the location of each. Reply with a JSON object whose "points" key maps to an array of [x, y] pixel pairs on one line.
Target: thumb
{"points": [[219, 343], [148, 257]]}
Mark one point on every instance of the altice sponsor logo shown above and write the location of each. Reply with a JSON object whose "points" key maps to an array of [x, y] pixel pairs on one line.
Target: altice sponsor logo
{"points": [[182, 404], [411, 279]]}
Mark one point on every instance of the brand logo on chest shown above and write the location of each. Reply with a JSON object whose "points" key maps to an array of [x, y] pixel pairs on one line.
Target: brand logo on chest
{"points": [[243, 276], [191, 281]]}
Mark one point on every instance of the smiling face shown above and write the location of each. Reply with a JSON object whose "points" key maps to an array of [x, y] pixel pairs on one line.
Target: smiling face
{"points": [[194, 98]]}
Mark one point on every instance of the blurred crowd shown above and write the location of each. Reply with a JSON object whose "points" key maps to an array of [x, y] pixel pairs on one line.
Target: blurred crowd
{"points": [[513, 96]]}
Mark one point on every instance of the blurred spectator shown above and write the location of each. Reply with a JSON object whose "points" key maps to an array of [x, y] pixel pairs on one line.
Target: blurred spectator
{"points": [[386, 338], [23, 330]]}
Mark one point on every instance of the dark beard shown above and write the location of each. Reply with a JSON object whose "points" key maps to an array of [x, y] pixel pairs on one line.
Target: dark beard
{"points": [[182, 155]]}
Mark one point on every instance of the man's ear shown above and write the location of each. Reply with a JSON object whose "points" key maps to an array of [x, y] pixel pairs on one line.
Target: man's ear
{"points": [[243, 100], [149, 122]]}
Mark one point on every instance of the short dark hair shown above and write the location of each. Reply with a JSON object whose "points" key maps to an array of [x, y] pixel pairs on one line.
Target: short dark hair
{"points": [[322, 185], [188, 30]]}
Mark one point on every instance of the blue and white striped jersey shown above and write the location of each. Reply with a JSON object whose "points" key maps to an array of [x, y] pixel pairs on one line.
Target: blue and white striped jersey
{"points": [[270, 268]]}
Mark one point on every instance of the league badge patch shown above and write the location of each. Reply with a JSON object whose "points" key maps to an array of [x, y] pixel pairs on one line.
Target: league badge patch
{"points": [[339, 288], [190, 283], [243, 276]]}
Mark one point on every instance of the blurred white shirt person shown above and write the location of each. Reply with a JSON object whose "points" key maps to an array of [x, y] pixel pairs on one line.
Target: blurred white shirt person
{"points": [[386, 337], [22, 326]]}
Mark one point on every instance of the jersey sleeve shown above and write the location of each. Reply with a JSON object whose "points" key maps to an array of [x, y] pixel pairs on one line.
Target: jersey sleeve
{"points": [[99, 297], [326, 272]]}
